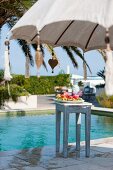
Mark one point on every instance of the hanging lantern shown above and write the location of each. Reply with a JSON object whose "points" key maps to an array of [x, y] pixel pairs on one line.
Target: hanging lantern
{"points": [[38, 56], [53, 63]]}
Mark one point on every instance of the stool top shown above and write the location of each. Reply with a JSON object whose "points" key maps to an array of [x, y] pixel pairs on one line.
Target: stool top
{"points": [[71, 103]]}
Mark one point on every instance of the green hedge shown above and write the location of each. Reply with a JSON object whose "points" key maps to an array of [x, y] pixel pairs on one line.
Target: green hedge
{"points": [[13, 92], [42, 85], [19, 86], [3, 95]]}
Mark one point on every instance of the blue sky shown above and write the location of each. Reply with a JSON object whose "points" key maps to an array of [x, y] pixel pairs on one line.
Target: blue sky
{"points": [[17, 59]]}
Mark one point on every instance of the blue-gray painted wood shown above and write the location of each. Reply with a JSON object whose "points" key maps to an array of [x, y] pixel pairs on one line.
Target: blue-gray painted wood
{"points": [[65, 132], [68, 108], [58, 123], [78, 132], [87, 130]]}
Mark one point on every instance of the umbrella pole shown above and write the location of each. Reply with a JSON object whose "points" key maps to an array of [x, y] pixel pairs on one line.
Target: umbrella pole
{"points": [[108, 67]]}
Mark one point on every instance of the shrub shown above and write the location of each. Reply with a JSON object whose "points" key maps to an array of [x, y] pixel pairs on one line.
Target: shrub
{"points": [[18, 79], [19, 86], [14, 92], [42, 85], [17, 91], [1, 75], [100, 86], [105, 101], [3, 95], [80, 83]]}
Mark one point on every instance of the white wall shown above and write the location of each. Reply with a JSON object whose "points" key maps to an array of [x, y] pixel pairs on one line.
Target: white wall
{"points": [[24, 102]]}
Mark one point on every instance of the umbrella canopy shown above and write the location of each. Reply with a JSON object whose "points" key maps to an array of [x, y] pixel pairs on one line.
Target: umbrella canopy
{"points": [[71, 22]]}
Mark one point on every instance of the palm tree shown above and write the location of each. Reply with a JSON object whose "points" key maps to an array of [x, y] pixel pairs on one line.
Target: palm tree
{"points": [[85, 70], [10, 12], [103, 53], [101, 73], [70, 50]]}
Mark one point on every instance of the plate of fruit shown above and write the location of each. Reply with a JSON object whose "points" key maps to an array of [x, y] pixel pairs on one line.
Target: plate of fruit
{"points": [[66, 97]]}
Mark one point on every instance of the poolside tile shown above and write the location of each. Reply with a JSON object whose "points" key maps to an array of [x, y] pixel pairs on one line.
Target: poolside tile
{"points": [[93, 153], [33, 168], [9, 153], [100, 161], [104, 147], [11, 162], [84, 167], [61, 162], [32, 159], [10, 169]]}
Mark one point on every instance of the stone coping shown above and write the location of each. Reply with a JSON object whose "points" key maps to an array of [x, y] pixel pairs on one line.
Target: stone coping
{"points": [[95, 111]]}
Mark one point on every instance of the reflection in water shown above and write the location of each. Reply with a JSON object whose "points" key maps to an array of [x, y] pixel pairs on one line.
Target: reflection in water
{"points": [[105, 121], [36, 131]]}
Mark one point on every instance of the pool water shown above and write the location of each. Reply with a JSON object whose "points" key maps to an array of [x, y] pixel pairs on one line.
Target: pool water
{"points": [[32, 131]]}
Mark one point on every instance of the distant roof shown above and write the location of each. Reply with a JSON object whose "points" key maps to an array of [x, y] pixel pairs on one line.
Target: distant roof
{"points": [[75, 76]]}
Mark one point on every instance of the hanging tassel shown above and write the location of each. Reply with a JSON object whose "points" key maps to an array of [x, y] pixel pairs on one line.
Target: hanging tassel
{"points": [[7, 75], [38, 56], [108, 67]]}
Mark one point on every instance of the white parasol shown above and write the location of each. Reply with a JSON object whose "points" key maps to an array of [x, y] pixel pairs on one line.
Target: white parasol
{"points": [[71, 23]]}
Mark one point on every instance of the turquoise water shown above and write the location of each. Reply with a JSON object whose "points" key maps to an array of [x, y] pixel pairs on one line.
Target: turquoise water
{"points": [[39, 130]]}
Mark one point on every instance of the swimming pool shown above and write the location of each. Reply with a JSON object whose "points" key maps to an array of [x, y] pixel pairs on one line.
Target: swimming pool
{"points": [[30, 131]]}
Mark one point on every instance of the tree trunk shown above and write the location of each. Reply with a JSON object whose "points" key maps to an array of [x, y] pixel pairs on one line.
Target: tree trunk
{"points": [[27, 71], [85, 70]]}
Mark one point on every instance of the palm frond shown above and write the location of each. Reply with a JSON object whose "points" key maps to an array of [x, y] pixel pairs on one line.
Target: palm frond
{"points": [[78, 52], [71, 56], [101, 73], [103, 53], [26, 49]]}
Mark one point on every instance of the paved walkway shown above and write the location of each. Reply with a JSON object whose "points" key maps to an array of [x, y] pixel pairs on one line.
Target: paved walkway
{"points": [[46, 102], [45, 159]]}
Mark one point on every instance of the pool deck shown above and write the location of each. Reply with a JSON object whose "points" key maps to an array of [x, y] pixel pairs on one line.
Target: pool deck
{"points": [[46, 104], [45, 158], [101, 158]]}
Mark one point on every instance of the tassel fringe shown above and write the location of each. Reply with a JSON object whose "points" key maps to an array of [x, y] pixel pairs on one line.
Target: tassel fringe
{"points": [[38, 56]]}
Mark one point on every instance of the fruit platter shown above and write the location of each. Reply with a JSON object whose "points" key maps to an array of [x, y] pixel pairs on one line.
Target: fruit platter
{"points": [[66, 97]]}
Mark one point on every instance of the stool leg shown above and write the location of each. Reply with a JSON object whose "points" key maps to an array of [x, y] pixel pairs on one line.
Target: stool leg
{"points": [[87, 131], [58, 122], [78, 129], [65, 133]]}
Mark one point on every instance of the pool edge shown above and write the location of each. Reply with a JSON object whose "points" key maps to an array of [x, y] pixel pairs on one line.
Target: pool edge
{"points": [[94, 111]]}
